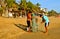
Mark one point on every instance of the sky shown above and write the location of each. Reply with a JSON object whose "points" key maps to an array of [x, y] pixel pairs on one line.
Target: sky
{"points": [[49, 4]]}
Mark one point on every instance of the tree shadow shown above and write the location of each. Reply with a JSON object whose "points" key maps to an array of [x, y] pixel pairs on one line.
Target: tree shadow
{"points": [[23, 27]]}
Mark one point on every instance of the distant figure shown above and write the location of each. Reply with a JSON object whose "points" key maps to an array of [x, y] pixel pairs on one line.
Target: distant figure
{"points": [[28, 21], [10, 14], [14, 15], [45, 20]]}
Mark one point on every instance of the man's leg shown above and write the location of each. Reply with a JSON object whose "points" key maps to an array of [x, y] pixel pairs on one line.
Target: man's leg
{"points": [[28, 27], [46, 27]]}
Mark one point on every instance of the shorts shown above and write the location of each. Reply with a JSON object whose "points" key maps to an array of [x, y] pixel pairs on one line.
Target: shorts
{"points": [[46, 24], [28, 23]]}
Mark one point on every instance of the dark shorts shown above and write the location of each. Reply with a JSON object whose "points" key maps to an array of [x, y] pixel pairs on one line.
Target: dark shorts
{"points": [[46, 24], [28, 23]]}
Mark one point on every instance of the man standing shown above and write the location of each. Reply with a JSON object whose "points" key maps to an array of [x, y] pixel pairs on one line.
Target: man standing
{"points": [[28, 21]]}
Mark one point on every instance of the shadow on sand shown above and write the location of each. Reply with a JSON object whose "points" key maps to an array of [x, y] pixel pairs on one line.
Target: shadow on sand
{"points": [[23, 27]]}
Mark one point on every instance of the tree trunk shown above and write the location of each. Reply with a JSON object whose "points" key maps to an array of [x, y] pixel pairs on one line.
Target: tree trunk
{"points": [[6, 13]]}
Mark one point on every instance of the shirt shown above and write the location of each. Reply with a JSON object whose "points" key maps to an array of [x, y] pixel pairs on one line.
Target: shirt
{"points": [[46, 19]]}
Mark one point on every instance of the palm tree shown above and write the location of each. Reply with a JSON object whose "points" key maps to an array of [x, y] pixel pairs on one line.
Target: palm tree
{"points": [[38, 4], [8, 6], [23, 6], [3, 5], [9, 3], [29, 5]]}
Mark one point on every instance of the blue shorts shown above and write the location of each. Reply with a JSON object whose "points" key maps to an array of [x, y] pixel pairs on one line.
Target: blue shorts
{"points": [[46, 24]]}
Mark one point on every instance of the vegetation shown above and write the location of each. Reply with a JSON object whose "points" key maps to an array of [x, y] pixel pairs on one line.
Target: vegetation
{"points": [[53, 13], [1, 11], [23, 4]]}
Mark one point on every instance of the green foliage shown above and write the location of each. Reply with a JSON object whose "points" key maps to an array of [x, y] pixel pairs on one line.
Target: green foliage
{"points": [[23, 4], [9, 2], [1, 11], [52, 13], [38, 4], [29, 5]]}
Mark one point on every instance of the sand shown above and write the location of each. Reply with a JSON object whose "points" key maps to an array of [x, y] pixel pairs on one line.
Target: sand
{"points": [[8, 29]]}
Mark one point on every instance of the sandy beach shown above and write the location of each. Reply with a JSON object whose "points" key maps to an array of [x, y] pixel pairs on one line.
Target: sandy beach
{"points": [[9, 30]]}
